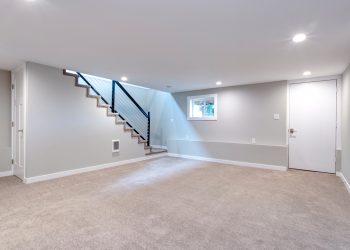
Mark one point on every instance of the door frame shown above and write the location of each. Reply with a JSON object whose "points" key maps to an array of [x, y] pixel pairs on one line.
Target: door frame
{"points": [[23, 68], [338, 80]]}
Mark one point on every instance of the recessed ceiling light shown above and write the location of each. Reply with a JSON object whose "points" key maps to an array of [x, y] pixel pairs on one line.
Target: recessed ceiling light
{"points": [[299, 38], [218, 83], [307, 73], [124, 78]]}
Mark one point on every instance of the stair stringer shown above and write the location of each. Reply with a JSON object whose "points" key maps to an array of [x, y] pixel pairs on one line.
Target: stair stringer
{"points": [[117, 119]]}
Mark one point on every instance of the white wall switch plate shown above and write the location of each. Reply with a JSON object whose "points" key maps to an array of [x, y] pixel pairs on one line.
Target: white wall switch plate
{"points": [[276, 116]]}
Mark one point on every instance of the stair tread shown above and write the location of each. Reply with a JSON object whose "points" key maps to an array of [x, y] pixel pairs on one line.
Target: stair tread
{"points": [[157, 151], [82, 86], [94, 96], [117, 121]]}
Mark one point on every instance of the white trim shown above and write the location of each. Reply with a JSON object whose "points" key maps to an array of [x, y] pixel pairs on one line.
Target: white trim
{"points": [[12, 119], [160, 146], [6, 173], [315, 79], [287, 119], [23, 67], [88, 169], [204, 118], [72, 72], [342, 177], [339, 111], [230, 142], [229, 162], [287, 122]]}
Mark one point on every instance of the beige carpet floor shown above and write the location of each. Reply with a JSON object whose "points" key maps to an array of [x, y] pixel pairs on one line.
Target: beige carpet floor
{"points": [[171, 203]]}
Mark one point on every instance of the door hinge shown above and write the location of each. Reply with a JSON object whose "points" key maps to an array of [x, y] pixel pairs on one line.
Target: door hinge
{"points": [[12, 124], [13, 161], [12, 86]]}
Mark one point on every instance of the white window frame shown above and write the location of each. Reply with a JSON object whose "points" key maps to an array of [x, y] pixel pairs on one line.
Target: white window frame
{"points": [[204, 118]]}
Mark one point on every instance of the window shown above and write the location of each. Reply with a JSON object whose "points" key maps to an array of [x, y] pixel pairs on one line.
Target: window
{"points": [[202, 107]]}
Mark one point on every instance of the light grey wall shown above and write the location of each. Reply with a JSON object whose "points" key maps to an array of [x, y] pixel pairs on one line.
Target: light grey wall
{"points": [[345, 155], [161, 105], [244, 112], [65, 130], [239, 152], [5, 121]]}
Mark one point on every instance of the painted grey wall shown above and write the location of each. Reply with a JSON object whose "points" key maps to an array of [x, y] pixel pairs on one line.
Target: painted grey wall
{"points": [[65, 130], [345, 155], [5, 121], [239, 152], [244, 112], [161, 105]]}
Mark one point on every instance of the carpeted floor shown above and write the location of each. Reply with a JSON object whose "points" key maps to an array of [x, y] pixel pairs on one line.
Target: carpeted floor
{"points": [[171, 203]]}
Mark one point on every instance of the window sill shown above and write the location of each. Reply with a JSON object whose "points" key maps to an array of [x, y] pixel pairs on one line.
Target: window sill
{"points": [[202, 119]]}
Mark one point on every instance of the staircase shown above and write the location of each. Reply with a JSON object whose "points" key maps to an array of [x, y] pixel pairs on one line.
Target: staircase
{"points": [[112, 96]]}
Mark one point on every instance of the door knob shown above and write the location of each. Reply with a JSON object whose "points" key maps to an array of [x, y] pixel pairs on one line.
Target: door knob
{"points": [[20, 130]]}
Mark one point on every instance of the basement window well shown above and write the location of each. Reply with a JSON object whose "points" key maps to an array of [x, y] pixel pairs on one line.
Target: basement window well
{"points": [[202, 108]]}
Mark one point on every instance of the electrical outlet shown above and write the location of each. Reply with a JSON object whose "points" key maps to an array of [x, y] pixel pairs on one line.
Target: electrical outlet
{"points": [[253, 140], [276, 116]]}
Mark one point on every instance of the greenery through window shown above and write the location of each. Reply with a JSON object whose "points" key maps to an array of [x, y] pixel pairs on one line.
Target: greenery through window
{"points": [[202, 107]]}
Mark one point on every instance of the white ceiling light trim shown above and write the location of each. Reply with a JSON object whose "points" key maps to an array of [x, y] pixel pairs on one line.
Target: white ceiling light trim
{"points": [[298, 38]]}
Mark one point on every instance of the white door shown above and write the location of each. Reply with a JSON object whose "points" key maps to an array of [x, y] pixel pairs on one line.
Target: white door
{"points": [[312, 126], [18, 104]]}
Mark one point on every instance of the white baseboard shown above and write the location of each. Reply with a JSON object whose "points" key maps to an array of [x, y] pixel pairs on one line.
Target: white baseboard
{"points": [[229, 162], [88, 169], [6, 173], [160, 146], [342, 177]]}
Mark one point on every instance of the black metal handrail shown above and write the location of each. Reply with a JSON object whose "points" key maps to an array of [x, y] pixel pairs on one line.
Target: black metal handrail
{"points": [[131, 98], [147, 115], [92, 87]]}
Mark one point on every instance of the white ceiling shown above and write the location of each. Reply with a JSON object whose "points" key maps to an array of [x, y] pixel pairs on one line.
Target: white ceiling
{"points": [[188, 44]]}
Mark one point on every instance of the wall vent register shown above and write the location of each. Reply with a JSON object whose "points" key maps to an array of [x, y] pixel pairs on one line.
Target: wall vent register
{"points": [[115, 146]]}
